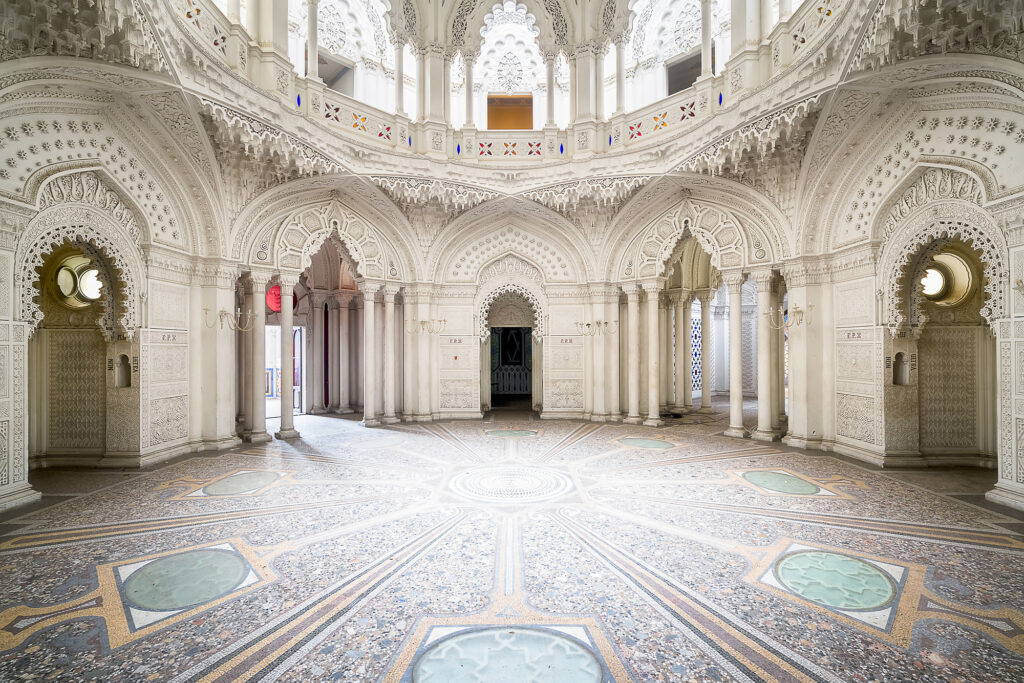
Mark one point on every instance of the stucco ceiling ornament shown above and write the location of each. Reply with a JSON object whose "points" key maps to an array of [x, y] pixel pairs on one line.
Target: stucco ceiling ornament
{"points": [[454, 198], [510, 73], [760, 135], [88, 188], [305, 231], [566, 197]]}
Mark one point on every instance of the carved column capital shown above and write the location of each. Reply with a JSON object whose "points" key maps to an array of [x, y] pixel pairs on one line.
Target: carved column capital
{"points": [[390, 291], [733, 280], [705, 296], [632, 291], [763, 279]]}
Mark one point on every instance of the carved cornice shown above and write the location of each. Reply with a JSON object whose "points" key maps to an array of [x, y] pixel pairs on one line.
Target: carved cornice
{"points": [[567, 197]]}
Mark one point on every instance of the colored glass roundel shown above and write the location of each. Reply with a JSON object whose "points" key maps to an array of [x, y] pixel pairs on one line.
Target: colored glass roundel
{"points": [[507, 653], [185, 580], [780, 482], [835, 580], [274, 299]]}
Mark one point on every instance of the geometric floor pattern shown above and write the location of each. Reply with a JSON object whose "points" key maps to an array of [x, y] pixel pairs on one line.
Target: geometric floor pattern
{"points": [[512, 549]]}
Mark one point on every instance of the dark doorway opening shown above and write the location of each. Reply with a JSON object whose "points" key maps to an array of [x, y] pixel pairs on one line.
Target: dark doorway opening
{"points": [[511, 367]]}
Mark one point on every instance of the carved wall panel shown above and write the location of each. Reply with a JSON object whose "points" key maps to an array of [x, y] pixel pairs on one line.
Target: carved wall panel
{"points": [[948, 398], [855, 417], [166, 389], [76, 390], [168, 306]]}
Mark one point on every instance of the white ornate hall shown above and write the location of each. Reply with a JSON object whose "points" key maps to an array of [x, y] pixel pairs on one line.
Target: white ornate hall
{"points": [[463, 340]]}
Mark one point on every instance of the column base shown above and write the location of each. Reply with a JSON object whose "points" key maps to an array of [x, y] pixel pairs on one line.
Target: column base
{"points": [[762, 435], [389, 420], [370, 422], [318, 411], [286, 434], [344, 410], [600, 417], [21, 496], [705, 410], [630, 420], [653, 422], [255, 437], [737, 432], [810, 444], [1010, 495]]}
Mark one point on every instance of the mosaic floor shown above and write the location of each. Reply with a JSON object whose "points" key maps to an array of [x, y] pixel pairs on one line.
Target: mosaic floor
{"points": [[512, 549]]}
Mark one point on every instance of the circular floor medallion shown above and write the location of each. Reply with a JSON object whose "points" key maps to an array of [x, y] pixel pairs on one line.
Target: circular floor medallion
{"points": [[780, 482], [511, 484], [185, 580], [507, 654], [241, 482], [835, 580], [511, 432]]}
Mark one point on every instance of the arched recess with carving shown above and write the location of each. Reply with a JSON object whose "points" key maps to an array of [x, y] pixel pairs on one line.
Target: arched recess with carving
{"points": [[720, 233], [925, 232], [292, 243], [101, 236], [510, 274], [461, 251], [552, 18]]}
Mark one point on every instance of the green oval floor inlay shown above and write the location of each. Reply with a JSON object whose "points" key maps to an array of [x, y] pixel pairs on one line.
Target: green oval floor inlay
{"points": [[636, 442], [507, 654], [835, 580], [511, 432], [242, 482], [185, 580], [780, 482]]}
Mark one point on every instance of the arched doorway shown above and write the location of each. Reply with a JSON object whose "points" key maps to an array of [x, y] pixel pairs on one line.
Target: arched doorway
{"points": [[510, 356], [83, 380], [940, 383]]}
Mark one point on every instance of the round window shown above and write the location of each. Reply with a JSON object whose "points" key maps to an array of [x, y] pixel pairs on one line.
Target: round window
{"points": [[933, 282], [89, 284], [67, 281], [76, 281]]}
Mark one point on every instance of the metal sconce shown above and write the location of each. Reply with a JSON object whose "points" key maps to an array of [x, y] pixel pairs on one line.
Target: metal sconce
{"points": [[599, 327], [233, 320], [433, 326], [778, 318]]}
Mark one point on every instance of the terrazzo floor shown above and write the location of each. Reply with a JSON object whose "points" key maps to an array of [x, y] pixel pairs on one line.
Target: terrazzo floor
{"points": [[512, 549]]}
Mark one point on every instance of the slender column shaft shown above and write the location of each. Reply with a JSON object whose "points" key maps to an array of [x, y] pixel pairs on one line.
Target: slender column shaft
{"points": [[785, 9], [423, 342], [469, 91], [765, 375], [620, 77], [400, 79], [356, 355], [600, 412], [333, 359], [312, 48], [687, 351], [612, 316], [665, 353], [390, 353], [549, 62], [344, 354], [317, 364], [633, 350], [653, 353], [599, 86], [287, 430], [681, 348], [421, 85], [257, 384], [369, 357], [234, 11], [705, 350], [735, 284], [780, 362], [705, 37], [244, 351]]}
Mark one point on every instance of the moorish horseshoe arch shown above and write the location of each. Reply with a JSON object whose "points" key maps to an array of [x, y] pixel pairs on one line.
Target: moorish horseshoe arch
{"points": [[115, 254], [534, 299], [925, 232]]}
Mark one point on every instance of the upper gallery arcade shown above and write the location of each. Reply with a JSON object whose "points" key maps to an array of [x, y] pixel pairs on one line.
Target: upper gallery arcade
{"points": [[618, 209]]}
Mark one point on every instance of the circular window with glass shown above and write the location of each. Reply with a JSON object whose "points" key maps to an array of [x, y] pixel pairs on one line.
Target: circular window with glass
{"points": [[76, 282], [948, 280]]}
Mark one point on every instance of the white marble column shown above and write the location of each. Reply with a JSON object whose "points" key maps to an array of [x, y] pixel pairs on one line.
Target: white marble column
{"points": [[369, 355], [779, 356], [600, 412], [390, 354], [612, 342], [684, 383], [243, 357], [734, 281], [633, 350], [356, 353], [665, 352], [653, 291], [421, 84], [705, 297], [343, 349], [333, 360], [705, 38], [620, 76], [316, 365], [400, 78], [468, 60], [765, 373], [287, 430], [785, 9], [312, 48], [257, 410], [599, 85], [549, 63]]}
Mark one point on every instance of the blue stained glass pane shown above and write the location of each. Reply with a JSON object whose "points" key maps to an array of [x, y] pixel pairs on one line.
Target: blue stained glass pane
{"points": [[561, 148], [458, 149], [298, 100], [719, 99], [410, 141], [609, 140]]}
